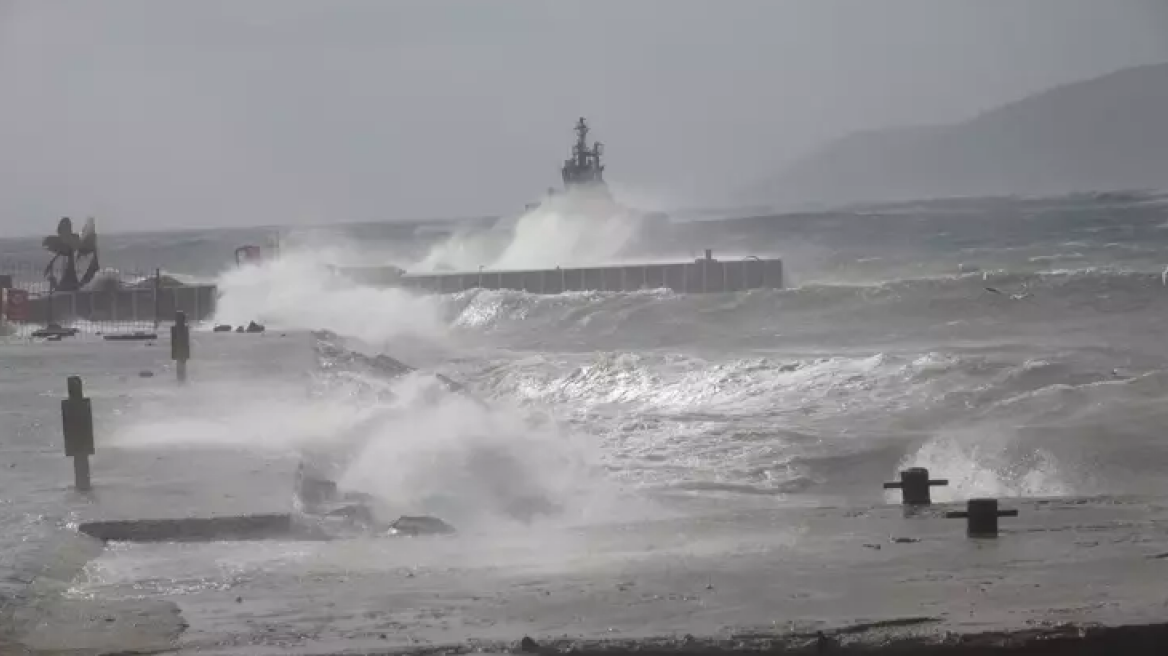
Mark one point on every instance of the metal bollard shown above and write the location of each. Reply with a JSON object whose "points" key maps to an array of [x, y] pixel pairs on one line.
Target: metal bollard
{"points": [[180, 344], [914, 485], [77, 425], [982, 517]]}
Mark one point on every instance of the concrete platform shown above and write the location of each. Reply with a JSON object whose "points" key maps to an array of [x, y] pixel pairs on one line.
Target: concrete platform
{"points": [[1061, 578], [193, 529]]}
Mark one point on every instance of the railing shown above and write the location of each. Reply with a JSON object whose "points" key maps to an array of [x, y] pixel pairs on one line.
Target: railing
{"points": [[114, 302]]}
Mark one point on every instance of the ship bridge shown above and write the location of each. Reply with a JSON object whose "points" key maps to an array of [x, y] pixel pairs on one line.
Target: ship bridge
{"points": [[584, 167]]}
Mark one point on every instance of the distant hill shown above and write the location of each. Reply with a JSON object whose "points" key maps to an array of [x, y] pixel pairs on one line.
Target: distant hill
{"points": [[1106, 133]]}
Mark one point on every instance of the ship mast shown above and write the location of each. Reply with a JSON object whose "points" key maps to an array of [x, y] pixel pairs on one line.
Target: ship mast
{"points": [[581, 150]]}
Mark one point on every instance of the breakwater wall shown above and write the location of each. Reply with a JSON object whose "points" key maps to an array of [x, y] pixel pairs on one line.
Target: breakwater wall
{"points": [[706, 275], [123, 305]]}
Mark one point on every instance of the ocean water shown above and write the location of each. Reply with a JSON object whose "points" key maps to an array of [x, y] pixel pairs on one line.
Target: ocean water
{"points": [[1013, 346]]}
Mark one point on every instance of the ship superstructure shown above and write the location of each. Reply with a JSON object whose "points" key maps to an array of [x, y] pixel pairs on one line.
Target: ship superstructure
{"points": [[583, 168]]}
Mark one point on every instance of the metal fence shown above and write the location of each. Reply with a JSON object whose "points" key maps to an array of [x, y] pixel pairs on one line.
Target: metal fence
{"points": [[114, 302]]}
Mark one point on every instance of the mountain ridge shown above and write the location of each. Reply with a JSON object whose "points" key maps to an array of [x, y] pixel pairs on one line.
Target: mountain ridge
{"points": [[1103, 133]]}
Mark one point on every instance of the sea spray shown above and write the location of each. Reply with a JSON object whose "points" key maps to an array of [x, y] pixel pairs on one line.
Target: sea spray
{"points": [[570, 229], [405, 439], [299, 291], [990, 461]]}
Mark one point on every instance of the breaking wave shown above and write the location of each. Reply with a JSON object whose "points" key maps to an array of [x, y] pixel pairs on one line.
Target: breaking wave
{"points": [[840, 425], [998, 380], [564, 230], [967, 306]]}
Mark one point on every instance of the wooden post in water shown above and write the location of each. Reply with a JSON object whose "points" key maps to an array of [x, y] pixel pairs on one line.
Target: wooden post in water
{"points": [[157, 286], [77, 426], [180, 345]]}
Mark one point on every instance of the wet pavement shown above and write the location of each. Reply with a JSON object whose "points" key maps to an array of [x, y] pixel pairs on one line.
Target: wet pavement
{"points": [[861, 576]]}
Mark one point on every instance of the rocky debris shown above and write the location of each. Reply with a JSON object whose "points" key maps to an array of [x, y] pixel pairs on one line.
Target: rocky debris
{"points": [[251, 327], [55, 332], [420, 525]]}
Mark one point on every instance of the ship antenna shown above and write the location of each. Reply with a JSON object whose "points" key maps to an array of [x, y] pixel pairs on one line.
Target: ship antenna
{"points": [[581, 142]]}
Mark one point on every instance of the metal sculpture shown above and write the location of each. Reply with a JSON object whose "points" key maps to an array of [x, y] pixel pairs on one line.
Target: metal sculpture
{"points": [[70, 246]]}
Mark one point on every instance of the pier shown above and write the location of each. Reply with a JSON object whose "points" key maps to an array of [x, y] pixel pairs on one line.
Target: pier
{"points": [[704, 275]]}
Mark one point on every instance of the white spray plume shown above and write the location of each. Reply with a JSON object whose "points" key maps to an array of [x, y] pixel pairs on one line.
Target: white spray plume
{"points": [[570, 229], [299, 292], [422, 451]]}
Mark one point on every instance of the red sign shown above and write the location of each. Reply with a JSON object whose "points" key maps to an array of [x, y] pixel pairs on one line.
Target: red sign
{"points": [[16, 304]]}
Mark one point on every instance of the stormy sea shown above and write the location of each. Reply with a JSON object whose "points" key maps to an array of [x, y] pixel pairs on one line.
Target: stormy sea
{"points": [[1014, 346]]}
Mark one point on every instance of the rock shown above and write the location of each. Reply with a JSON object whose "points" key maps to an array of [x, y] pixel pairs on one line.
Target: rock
{"points": [[420, 525]]}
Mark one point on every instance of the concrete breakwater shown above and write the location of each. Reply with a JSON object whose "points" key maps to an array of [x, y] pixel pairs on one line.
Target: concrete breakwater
{"points": [[145, 304], [705, 275]]}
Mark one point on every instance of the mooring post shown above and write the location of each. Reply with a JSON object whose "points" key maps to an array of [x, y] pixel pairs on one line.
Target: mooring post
{"points": [[180, 345], [77, 426], [157, 287], [914, 485], [982, 517]]}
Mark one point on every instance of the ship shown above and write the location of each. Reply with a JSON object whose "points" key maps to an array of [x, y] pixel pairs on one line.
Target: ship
{"points": [[583, 170], [582, 174]]}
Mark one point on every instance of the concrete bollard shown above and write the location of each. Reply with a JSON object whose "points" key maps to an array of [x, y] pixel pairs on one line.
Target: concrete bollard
{"points": [[982, 517], [180, 345], [77, 426], [914, 485]]}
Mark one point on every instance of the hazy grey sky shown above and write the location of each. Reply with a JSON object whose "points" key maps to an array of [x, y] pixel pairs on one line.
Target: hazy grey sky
{"points": [[167, 113]]}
